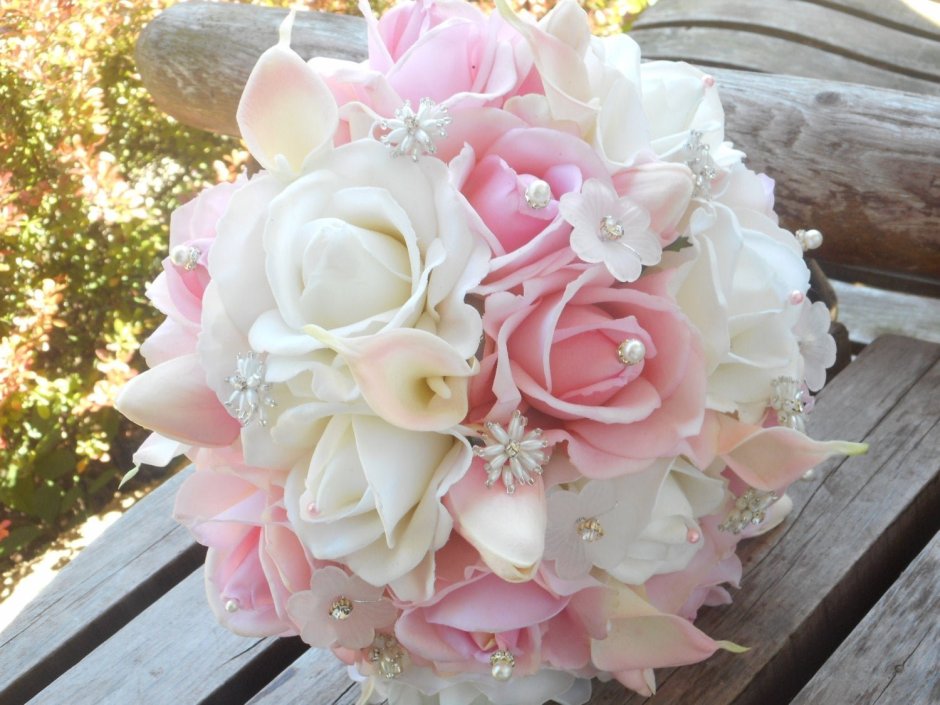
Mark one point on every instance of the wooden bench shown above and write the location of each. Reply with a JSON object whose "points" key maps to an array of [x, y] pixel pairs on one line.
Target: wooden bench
{"points": [[840, 604]]}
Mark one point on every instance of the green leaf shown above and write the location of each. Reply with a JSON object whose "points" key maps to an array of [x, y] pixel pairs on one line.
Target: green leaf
{"points": [[47, 502], [129, 475], [20, 537], [56, 464]]}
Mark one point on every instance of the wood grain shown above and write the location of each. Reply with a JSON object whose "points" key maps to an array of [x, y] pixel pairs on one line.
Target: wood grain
{"points": [[891, 656], [173, 653], [729, 45], [813, 40], [862, 164], [807, 584], [104, 588]]}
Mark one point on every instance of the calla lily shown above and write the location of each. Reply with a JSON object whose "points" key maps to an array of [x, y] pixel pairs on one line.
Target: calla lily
{"points": [[411, 378], [173, 400], [642, 637], [287, 114], [507, 530], [771, 458]]}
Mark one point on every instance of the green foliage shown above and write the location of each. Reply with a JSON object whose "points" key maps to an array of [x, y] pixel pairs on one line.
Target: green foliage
{"points": [[89, 173]]}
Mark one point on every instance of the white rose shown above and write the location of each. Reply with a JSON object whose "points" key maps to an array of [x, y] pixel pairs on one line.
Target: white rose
{"points": [[369, 496], [360, 246], [671, 537], [737, 287]]}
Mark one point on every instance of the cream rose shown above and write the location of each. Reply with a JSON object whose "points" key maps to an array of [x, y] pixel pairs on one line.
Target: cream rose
{"points": [[369, 496], [312, 275]]}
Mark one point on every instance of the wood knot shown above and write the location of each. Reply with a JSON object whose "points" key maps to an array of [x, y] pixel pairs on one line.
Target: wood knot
{"points": [[828, 98]]}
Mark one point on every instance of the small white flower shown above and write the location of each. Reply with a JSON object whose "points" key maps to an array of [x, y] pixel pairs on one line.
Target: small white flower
{"points": [[816, 345], [413, 133], [523, 452], [610, 229], [581, 529]]}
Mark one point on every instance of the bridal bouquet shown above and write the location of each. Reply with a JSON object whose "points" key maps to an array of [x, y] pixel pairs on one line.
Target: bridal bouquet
{"points": [[488, 370]]}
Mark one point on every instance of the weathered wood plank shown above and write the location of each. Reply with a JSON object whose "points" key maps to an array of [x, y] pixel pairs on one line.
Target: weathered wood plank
{"points": [[874, 54], [919, 17], [807, 584], [730, 46], [105, 587], [891, 656], [869, 313], [174, 652], [859, 163]]}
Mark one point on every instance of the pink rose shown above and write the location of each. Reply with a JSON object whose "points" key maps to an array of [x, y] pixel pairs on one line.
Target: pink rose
{"points": [[255, 561], [514, 186], [617, 372], [447, 52], [474, 614]]}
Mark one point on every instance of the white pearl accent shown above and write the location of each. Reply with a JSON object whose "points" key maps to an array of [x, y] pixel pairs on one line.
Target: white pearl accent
{"points": [[631, 351], [185, 256], [503, 663], [232, 606], [538, 194], [809, 239]]}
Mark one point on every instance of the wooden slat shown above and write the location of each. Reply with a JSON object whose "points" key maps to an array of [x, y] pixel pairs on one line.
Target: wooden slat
{"points": [[859, 163], [316, 671], [807, 584], [900, 14], [111, 581], [724, 46], [892, 656], [172, 653], [792, 37], [869, 313]]}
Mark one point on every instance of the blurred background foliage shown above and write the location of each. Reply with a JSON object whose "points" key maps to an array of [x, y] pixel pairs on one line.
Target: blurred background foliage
{"points": [[90, 171]]}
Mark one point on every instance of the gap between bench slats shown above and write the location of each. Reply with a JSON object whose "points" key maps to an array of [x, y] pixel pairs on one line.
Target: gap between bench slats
{"points": [[804, 25], [133, 563], [891, 656]]}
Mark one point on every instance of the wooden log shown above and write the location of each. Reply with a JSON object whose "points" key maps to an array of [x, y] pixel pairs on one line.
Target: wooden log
{"points": [[859, 163], [104, 588], [891, 656], [807, 584], [794, 37], [174, 652]]}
